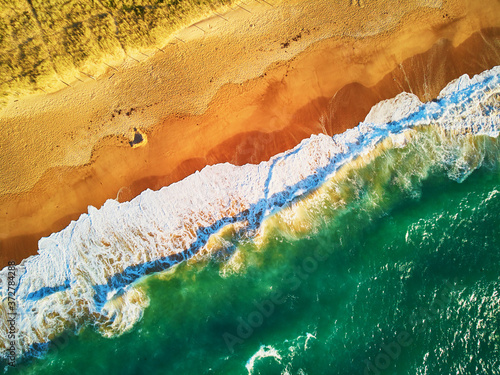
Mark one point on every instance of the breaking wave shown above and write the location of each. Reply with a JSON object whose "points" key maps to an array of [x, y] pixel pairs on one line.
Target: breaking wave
{"points": [[88, 272]]}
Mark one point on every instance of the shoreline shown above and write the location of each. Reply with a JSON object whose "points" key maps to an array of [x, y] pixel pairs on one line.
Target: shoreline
{"points": [[86, 273], [289, 98]]}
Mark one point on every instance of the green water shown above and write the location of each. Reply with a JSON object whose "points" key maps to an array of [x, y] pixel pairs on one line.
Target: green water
{"points": [[403, 282]]}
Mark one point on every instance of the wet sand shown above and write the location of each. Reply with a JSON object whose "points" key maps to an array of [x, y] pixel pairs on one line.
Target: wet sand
{"points": [[75, 151]]}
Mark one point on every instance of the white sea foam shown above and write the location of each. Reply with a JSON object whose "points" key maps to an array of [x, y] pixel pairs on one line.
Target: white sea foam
{"points": [[394, 109], [85, 273], [263, 352]]}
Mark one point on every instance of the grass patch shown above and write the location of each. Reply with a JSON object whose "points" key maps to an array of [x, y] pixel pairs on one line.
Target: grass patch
{"points": [[45, 41]]}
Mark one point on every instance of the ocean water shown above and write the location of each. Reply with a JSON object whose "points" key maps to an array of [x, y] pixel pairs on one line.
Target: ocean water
{"points": [[422, 271], [385, 261]]}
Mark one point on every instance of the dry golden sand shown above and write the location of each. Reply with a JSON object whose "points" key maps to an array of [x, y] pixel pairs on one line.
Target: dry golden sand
{"points": [[239, 91]]}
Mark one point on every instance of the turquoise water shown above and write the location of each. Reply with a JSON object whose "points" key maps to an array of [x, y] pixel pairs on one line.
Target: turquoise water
{"points": [[400, 277]]}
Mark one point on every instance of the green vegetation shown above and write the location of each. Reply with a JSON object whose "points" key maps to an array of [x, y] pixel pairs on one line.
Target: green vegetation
{"points": [[43, 42]]}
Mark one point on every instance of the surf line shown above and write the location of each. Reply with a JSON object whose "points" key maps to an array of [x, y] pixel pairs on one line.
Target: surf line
{"points": [[12, 313]]}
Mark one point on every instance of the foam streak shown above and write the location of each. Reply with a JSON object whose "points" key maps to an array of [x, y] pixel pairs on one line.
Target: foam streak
{"points": [[80, 271]]}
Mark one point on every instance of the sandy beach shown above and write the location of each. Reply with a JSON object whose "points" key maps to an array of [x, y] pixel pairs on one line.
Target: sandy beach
{"points": [[237, 88]]}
